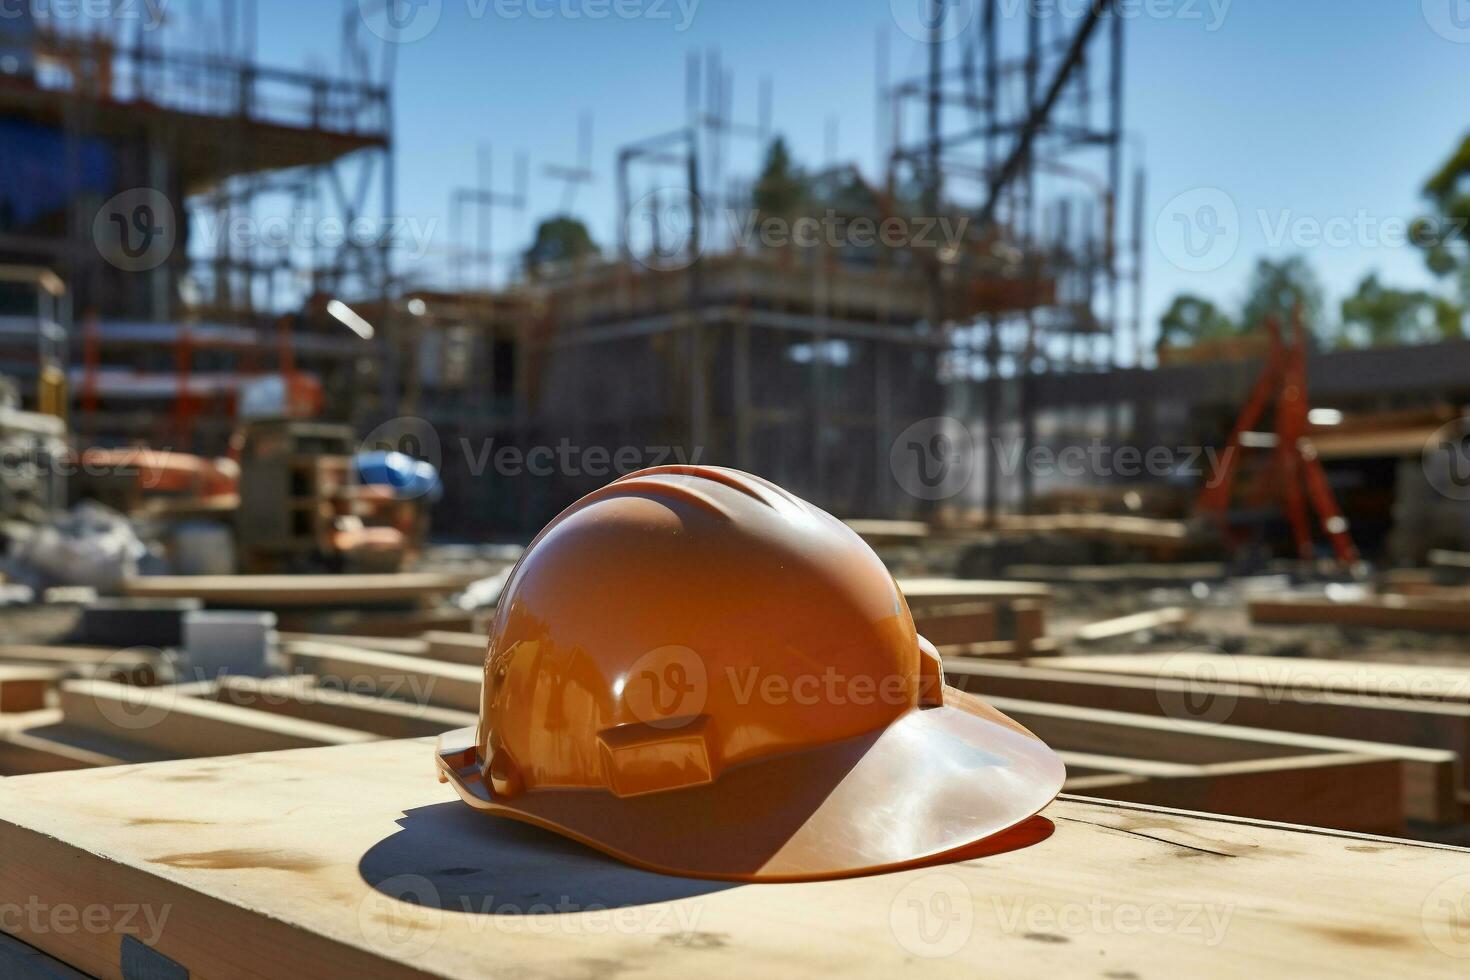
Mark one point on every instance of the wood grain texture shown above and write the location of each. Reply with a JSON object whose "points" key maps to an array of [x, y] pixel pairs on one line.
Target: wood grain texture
{"points": [[354, 862]]}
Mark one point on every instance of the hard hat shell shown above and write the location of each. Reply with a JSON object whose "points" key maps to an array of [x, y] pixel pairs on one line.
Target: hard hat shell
{"points": [[699, 673]]}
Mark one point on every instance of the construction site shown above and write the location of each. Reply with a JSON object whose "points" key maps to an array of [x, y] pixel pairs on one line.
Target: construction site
{"points": [[854, 568]]}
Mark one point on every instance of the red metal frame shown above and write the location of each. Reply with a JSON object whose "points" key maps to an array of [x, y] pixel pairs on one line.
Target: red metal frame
{"points": [[1297, 471]]}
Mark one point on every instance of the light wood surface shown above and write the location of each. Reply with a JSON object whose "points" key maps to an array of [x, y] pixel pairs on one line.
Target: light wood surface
{"points": [[1402, 728], [299, 590], [1426, 681], [354, 862], [416, 679]]}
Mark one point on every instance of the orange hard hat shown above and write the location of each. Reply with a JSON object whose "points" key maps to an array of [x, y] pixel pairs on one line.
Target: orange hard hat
{"points": [[699, 673]]}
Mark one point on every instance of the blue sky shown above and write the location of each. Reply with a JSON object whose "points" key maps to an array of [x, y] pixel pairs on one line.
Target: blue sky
{"points": [[1310, 115]]}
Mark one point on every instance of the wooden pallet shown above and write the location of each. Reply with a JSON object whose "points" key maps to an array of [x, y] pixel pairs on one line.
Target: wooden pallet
{"points": [[353, 861]]}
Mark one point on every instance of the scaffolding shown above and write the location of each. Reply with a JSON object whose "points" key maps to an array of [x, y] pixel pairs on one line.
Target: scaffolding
{"points": [[255, 163], [1020, 119]]}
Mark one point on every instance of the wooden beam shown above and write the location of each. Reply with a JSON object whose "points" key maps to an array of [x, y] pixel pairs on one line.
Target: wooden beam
{"points": [[297, 697], [969, 622], [25, 688], [1382, 612], [349, 861], [1153, 619], [457, 648], [925, 593], [1214, 768], [1350, 792], [187, 727], [1399, 729], [1300, 675], [274, 591], [408, 646], [391, 675], [135, 663]]}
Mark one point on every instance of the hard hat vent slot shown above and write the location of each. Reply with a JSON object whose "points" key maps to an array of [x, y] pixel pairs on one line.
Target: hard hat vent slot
{"points": [[651, 758]]}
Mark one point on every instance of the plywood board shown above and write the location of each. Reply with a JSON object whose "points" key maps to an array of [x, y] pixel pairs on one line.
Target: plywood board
{"points": [[353, 861]]}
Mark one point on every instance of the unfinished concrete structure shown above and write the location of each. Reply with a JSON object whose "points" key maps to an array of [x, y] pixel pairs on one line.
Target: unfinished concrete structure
{"points": [[148, 166]]}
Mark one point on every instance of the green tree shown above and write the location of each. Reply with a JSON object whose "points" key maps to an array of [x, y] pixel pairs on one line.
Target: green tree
{"points": [[1277, 289], [559, 239], [1378, 315], [782, 189], [1443, 235], [1191, 319]]}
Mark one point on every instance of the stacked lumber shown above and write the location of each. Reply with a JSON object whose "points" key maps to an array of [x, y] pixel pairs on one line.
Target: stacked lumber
{"points": [[353, 861]]}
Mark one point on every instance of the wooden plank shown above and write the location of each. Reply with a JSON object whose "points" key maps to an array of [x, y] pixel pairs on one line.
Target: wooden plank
{"points": [[188, 727], [1003, 649], [137, 663], [923, 593], [457, 648], [25, 749], [1382, 612], [274, 591], [297, 697], [1173, 573], [1400, 729], [1215, 769], [25, 688], [350, 862], [970, 622], [1390, 680], [881, 532], [410, 646], [1350, 792], [392, 675], [1152, 619]]}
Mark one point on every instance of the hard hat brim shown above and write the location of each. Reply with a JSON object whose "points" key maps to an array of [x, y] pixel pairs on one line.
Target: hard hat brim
{"points": [[936, 780]]}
